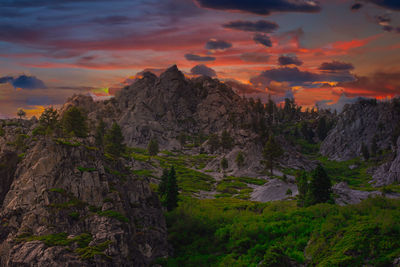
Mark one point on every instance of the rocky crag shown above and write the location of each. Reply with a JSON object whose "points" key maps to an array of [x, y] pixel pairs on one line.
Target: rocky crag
{"points": [[64, 204]]}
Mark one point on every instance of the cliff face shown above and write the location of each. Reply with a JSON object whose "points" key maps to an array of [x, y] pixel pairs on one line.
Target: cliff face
{"points": [[389, 172], [69, 206], [360, 123]]}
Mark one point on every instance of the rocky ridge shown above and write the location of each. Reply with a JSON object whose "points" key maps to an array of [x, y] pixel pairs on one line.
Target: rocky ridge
{"points": [[65, 204]]}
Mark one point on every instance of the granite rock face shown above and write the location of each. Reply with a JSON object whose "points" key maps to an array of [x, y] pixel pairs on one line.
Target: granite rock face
{"points": [[360, 123], [64, 192], [389, 172]]}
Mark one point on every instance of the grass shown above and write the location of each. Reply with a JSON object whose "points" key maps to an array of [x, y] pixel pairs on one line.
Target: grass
{"points": [[232, 232], [83, 169], [65, 142], [84, 251], [339, 171], [113, 214]]}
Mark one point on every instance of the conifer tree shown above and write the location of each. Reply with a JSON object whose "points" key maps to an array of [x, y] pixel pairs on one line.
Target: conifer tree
{"points": [[171, 196], [319, 188], [152, 147], [302, 186], [100, 132], [239, 159], [224, 163], [49, 118], [271, 153], [21, 113], [74, 121], [322, 129], [162, 187], [114, 141]]}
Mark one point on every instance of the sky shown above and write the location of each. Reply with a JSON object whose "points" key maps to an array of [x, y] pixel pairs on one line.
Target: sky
{"points": [[323, 53]]}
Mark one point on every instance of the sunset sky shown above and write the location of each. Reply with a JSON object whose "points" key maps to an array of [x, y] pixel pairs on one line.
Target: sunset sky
{"points": [[314, 51]]}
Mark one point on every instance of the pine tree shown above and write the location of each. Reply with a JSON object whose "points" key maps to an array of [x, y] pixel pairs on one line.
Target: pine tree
{"points": [[21, 113], [239, 159], [100, 131], [226, 140], [171, 196], [319, 188], [74, 121], [322, 129], [49, 118], [213, 142], [162, 187], [271, 153], [152, 147], [364, 151], [302, 186], [114, 141]]}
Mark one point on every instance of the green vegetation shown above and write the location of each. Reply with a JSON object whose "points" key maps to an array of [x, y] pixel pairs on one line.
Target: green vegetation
{"points": [[74, 122], [239, 160], [84, 251], [100, 132], [65, 142], [353, 172], [152, 147], [114, 141], [313, 189], [89, 252], [48, 119], [231, 232], [168, 189], [113, 214], [83, 169], [271, 153], [21, 113]]}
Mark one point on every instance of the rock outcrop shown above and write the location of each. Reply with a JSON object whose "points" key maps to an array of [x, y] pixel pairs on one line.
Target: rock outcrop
{"points": [[389, 172], [69, 206], [360, 123]]}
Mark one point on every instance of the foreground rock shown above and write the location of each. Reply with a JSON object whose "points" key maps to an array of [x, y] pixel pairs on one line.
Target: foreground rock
{"points": [[68, 206], [274, 190]]}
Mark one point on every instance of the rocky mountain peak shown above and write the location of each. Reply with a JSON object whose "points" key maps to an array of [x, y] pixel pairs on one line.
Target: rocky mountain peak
{"points": [[172, 73]]}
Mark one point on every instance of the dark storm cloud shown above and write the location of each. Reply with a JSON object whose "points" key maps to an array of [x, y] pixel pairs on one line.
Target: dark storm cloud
{"points": [[24, 82], [203, 70], [262, 39], [192, 57], [289, 60], [24, 34], [44, 3], [292, 75], [389, 4], [356, 6], [376, 84], [255, 57], [296, 77], [217, 45], [252, 26], [262, 7], [336, 66], [6, 79]]}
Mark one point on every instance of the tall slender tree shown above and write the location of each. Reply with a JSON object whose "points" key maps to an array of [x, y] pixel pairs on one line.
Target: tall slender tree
{"points": [[271, 153], [114, 141]]}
